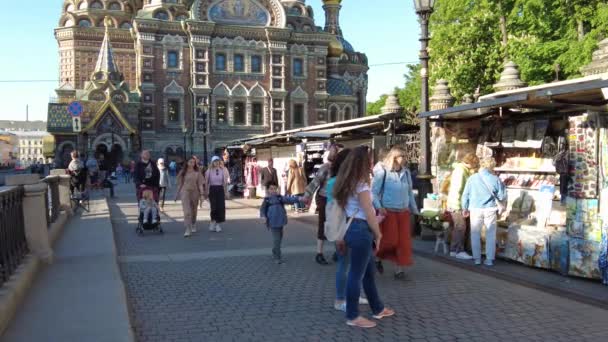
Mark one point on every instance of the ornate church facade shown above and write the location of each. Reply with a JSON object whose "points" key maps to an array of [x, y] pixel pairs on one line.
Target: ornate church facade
{"points": [[160, 74]]}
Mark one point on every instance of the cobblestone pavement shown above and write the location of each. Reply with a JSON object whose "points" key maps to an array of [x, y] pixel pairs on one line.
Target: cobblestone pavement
{"points": [[224, 287]]}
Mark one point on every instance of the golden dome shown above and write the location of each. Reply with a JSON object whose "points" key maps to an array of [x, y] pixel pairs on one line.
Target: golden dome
{"points": [[332, 2], [335, 47]]}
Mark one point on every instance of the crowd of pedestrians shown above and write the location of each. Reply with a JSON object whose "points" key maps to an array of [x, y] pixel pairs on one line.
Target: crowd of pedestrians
{"points": [[378, 200]]}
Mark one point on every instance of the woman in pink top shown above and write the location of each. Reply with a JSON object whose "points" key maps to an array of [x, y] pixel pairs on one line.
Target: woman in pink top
{"points": [[217, 178]]}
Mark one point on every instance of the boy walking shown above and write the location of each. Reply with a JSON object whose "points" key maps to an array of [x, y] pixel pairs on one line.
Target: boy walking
{"points": [[273, 211]]}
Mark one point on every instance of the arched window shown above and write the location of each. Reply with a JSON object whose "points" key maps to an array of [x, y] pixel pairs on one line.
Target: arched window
{"points": [[126, 25], [161, 15], [181, 17], [84, 23], [347, 113], [333, 114], [298, 115], [68, 23], [69, 8], [83, 5], [115, 6], [97, 5]]}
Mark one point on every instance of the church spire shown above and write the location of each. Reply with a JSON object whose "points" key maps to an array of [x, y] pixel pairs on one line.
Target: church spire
{"points": [[332, 16], [106, 68]]}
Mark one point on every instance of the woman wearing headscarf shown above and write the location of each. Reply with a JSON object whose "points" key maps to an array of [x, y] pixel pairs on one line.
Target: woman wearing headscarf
{"points": [[217, 179]]}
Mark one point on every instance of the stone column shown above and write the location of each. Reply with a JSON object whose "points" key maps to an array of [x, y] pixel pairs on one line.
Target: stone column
{"points": [[64, 190], [34, 215]]}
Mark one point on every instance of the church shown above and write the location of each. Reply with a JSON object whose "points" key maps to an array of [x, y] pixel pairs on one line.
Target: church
{"points": [[162, 74]]}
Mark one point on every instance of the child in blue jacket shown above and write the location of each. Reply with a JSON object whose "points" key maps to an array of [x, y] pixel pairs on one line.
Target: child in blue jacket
{"points": [[273, 211]]}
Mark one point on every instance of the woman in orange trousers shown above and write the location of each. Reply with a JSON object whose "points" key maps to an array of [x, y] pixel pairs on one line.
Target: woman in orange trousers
{"points": [[394, 199]]}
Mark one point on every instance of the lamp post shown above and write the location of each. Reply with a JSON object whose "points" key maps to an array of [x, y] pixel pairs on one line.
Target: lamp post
{"points": [[185, 130], [424, 8], [202, 113]]}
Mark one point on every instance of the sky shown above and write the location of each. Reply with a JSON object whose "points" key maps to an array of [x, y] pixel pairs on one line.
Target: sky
{"points": [[386, 30]]}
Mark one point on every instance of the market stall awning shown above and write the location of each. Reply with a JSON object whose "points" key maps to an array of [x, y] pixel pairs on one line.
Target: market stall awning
{"points": [[564, 96], [475, 109], [331, 132]]}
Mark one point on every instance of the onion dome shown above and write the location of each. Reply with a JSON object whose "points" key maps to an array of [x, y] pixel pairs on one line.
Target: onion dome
{"points": [[335, 47], [93, 13]]}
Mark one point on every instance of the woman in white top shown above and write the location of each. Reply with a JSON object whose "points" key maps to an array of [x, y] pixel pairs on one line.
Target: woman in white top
{"points": [[352, 192]]}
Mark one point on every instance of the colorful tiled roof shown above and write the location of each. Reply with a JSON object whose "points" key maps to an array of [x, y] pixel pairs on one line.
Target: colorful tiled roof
{"points": [[338, 87], [59, 120]]}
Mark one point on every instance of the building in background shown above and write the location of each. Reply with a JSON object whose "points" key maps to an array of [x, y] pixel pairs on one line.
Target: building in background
{"points": [[8, 149], [261, 66], [12, 125], [30, 147]]}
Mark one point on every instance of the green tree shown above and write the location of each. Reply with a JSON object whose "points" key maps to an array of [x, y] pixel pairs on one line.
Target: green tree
{"points": [[471, 39], [375, 108]]}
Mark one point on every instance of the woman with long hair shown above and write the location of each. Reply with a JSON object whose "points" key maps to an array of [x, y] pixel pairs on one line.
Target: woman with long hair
{"points": [[191, 189], [217, 181], [394, 199], [352, 192], [296, 182]]}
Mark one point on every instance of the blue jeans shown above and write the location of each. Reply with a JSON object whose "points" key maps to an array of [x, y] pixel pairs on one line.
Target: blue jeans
{"points": [[362, 269], [343, 264]]}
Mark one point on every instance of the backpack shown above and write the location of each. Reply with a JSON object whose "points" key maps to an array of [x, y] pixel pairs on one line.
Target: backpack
{"points": [[336, 224], [266, 204]]}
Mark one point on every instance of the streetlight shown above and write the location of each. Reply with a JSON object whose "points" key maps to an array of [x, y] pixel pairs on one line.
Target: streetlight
{"points": [[424, 8], [201, 114], [185, 130]]}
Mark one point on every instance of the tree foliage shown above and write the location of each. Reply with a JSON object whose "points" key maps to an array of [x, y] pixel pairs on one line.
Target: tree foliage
{"points": [[409, 95], [468, 46], [467, 50]]}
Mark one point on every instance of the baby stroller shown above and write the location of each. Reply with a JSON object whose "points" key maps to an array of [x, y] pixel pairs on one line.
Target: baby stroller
{"points": [[148, 223]]}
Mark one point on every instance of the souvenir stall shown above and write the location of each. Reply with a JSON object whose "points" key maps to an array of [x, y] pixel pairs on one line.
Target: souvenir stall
{"points": [[551, 147]]}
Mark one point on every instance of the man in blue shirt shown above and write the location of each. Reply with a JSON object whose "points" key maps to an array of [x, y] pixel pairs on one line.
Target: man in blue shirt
{"points": [[479, 198]]}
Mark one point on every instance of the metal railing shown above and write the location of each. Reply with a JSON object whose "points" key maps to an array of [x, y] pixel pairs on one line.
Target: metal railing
{"points": [[13, 245], [52, 199]]}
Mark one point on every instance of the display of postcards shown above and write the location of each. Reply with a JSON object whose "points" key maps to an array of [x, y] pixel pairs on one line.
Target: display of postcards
{"points": [[528, 247], [603, 258], [583, 157], [559, 252], [584, 256], [533, 181], [583, 219]]}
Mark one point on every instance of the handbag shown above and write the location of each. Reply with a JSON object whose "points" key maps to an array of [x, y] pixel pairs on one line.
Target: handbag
{"points": [[336, 224], [502, 207]]}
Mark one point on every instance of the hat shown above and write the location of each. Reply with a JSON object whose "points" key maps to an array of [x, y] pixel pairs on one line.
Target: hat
{"points": [[160, 161], [215, 158]]}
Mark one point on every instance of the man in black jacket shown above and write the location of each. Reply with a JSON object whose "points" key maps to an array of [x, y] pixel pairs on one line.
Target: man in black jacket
{"points": [[269, 175], [146, 175]]}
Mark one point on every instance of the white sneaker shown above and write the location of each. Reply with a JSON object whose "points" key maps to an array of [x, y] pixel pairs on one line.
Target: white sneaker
{"points": [[218, 228], [463, 256], [452, 254], [340, 307], [187, 233], [488, 262], [212, 226], [478, 262], [363, 301], [193, 229]]}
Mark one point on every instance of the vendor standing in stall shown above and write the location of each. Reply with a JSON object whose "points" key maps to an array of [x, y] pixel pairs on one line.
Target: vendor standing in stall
{"points": [[461, 173]]}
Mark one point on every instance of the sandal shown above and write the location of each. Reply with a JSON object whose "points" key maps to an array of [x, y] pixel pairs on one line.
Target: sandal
{"points": [[385, 313], [320, 259], [379, 266], [361, 322]]}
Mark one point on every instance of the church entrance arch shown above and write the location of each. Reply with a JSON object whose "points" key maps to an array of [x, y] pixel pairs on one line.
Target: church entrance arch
{"points": [[112, 147]]}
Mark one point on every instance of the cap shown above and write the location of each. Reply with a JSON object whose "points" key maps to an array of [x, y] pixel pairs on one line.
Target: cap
{"points": [[215, 158]]}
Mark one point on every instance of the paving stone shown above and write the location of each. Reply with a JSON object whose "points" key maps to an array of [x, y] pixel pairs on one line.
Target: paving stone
{"points": [[226, 297]]}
